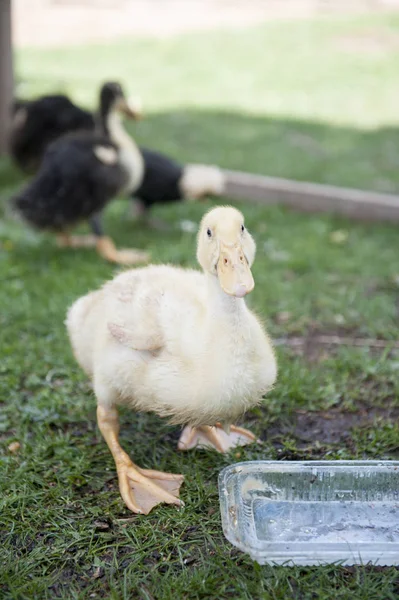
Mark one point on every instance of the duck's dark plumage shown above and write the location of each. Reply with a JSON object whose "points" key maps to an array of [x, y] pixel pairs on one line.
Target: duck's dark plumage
{"points": [[161, 179], [62, 193], [39, 122], [72, 184], [165, 180], [80, 173]]}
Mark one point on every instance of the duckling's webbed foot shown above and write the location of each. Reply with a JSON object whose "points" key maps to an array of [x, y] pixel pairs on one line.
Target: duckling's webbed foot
{"points": [[141, 489], [106, 247], [215, 437], [129, 256]]}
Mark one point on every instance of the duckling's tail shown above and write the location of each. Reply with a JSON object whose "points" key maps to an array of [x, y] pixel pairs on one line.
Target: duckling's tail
{"points": [[198, 181], [82, 330]]}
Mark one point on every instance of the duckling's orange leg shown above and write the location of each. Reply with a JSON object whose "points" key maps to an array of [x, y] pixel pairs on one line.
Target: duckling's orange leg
{"points": [[105, 248], [129, 256], [215, 437], [141, 489]]}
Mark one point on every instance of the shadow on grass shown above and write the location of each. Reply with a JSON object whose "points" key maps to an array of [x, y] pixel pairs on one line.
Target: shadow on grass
{"points": [[291, 148]]}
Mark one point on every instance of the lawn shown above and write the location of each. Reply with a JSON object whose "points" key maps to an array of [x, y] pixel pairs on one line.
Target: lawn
{"points": [[309, 100]]}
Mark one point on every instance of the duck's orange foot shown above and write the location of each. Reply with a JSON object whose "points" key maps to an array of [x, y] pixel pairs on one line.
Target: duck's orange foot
{"points": [[126, 256], [142, 489], [215, 437]]}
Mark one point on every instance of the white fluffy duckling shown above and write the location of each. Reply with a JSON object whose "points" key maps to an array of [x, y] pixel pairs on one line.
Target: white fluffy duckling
{"points": [[180, 343]]}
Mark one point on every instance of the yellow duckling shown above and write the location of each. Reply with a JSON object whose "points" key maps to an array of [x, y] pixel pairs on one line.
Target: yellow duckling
{"points": [[181, 344]]}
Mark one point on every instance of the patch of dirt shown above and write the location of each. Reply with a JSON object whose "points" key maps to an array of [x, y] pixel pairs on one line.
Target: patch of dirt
{"points": [[319, 344], [333, 426]]}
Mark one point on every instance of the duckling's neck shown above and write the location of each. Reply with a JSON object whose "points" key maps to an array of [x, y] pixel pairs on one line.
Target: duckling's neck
{"points": [[113, 127], [129, 154], [220, 304]]}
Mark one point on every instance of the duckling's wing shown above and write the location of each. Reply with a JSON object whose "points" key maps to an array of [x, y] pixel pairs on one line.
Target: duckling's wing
{"points": [[136, 339], [137, 324], [106, 154]]}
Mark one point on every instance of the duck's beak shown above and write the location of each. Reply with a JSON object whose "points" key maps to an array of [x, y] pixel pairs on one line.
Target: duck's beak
{"points": [[130, 107], [234, 273]]}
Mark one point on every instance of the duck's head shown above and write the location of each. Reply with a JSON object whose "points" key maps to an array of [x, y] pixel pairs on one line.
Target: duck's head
{"points": [[226, 250], [113, 99]]}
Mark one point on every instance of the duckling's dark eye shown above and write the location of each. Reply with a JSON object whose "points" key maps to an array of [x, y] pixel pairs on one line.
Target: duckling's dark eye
{"points": [[209, 233], [242, 228]]}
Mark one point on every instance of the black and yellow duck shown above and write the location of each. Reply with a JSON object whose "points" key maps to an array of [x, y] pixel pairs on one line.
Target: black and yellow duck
{"points": [[37, 123], [81, 173]]}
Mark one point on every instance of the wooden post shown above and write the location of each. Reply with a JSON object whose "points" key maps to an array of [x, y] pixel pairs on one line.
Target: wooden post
{"points": [[6, 73], [312, 197]]}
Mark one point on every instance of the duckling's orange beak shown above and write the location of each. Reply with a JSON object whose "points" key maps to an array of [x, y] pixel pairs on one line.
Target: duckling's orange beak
{"points": [[234, 274], [131, 108]]}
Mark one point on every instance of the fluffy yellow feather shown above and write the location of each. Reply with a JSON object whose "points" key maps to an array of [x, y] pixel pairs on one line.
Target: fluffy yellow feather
{"points": [[180, 343]]}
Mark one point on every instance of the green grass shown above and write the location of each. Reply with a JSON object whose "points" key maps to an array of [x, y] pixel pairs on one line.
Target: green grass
{"points": [[289, 99]]}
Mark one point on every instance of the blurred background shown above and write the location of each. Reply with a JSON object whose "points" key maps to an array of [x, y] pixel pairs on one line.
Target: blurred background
{"points": [[308, 79], [300, 89], [37, 22], [46, 22]]}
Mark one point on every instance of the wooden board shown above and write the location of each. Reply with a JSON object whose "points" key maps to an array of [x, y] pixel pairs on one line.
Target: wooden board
{"points": [[312, 197]]}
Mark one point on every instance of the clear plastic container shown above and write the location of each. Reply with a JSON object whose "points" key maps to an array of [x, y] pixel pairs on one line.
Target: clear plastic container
{"points": [[313, 512]]}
